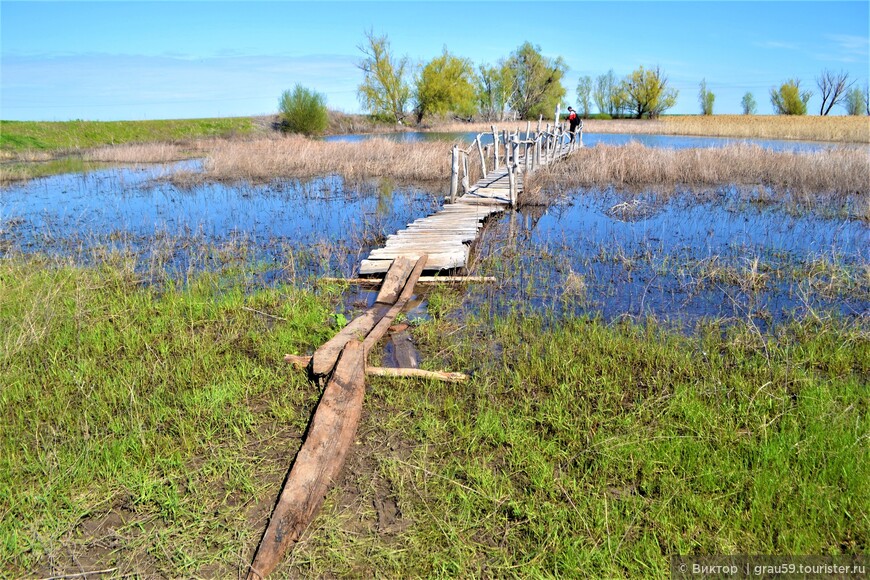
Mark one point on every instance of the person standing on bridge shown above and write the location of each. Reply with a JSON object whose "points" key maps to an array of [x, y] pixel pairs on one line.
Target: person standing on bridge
{"points": [[573, 121]]}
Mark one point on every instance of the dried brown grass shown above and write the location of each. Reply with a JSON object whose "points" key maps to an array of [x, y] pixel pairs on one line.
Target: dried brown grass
{"points": [[142, 153], [806, 128], [832, 173], [294, 156]]}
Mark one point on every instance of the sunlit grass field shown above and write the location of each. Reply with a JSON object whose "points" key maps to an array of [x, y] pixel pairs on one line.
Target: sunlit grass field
{"points": [[147, 429], [76, 135]]}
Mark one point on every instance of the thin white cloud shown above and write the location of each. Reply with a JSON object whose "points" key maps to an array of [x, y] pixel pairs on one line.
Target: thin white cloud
{"points": [[846, 48], [777, 44]]}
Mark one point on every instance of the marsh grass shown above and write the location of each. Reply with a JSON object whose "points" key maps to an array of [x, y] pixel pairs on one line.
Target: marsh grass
{"points": [[806, 128], [145, 427], [833, 174], [295, 156], [586, 449], [148, 428]]}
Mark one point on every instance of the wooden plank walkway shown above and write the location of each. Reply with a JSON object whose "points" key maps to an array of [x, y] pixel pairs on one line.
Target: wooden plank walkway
{"points": [[447, 235]]}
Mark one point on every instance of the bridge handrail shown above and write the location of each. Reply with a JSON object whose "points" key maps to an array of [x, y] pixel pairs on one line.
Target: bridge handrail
{"points": [[537, 149]]}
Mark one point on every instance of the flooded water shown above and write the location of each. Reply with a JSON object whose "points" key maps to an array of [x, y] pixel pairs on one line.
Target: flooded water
{"points": [[320, 225], [592, 139], [729, 257], [726, 256]]}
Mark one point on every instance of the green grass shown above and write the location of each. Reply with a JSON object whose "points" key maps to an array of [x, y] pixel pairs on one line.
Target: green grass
{"points": [[18, 136], [166, 411], [149, 429], [585, 449]]}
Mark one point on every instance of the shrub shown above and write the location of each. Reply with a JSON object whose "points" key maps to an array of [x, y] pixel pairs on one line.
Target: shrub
{"points": [[303, 111], [788, 99]]}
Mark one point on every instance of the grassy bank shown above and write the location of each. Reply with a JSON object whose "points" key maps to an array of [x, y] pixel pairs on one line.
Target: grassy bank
{"points": [[148, 430], [17, 136]]}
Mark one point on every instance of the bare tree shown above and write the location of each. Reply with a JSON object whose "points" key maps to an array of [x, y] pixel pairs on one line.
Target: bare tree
{"points": [[833, 87]]}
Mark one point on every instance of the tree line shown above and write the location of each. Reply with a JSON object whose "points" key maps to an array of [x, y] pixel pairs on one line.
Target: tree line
{"points": [[526, 84]]}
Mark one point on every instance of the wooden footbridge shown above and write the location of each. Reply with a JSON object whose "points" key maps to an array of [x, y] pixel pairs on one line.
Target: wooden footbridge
{"points": [[446, 236], [438, 242]]}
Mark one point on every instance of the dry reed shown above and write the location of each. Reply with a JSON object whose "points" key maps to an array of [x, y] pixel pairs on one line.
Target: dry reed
{"points": [[807, 128], [294, 156], [833, 173], [141, 153]]}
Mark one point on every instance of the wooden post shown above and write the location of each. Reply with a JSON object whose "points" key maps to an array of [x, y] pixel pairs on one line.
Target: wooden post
{"points": [[528, 129], [465, 181], [540, 118], [512, 180], [454, 172], [482, 156], [495, 144], [507, 147], [547, 145], [580, 131], [558, 121], [526, 148], [537, 150]]}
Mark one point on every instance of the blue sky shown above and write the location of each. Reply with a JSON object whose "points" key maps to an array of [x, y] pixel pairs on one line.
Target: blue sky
{"points": [[155, 60]]}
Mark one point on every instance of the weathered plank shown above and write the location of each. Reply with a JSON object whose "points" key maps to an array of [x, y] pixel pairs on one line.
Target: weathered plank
{"points": [[395, 280], [325, 357], [319, 461], [384, 323], [436, 262], [406, 355]]}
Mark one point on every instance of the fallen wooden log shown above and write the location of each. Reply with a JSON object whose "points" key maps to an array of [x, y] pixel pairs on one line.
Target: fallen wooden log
{"points": [[318, 462]]}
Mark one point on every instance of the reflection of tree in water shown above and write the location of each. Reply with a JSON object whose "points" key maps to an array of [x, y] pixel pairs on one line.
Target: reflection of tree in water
{"points": [[386, 187]]}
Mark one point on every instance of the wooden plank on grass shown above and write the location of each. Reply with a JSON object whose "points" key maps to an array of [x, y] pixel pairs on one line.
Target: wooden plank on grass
{"points": [[325, 357], [395, 280], [384, 323], [319, 461]]}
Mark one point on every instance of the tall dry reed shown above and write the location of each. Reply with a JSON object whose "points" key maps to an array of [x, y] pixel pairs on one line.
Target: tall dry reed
{"points": [[266, 159], [142, 153], [832, 173], [807, 128]]}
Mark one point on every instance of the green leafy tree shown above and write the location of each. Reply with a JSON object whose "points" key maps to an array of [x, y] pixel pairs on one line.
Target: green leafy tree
{"points": [[584, 95], [606, 94], [493, 91], [749, 105], [854, 102], [706, 98], [789, 99], [647, 93], [446, 85], [385, 90], [535, 80], [303, 111]]}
